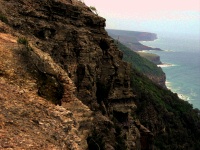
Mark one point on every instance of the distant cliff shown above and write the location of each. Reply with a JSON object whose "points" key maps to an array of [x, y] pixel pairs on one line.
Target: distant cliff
{"points": [[136, 35], [146, 64], [151, 57], [131, 39], [64, 85]]}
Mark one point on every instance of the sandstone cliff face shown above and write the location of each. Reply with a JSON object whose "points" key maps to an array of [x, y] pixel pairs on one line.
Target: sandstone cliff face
{"points": [[64, 55]]}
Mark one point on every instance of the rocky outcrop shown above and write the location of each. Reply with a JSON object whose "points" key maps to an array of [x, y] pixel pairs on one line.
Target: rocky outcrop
{"points": [[151, 57], [65, 56], [156, 60], [159, 80], [75, 38]]}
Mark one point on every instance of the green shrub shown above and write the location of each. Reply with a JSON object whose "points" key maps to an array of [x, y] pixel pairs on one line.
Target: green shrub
{"points": [[22, 40], [3, 18], [92, 8]]}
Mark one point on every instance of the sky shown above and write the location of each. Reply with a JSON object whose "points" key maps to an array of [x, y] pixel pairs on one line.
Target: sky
{"points": [[173, 16]]}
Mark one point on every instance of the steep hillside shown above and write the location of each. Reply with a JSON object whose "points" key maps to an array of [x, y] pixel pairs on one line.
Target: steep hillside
{"points": [[64, 85], [151, 57], [174, 123], [61, 54], [131, 39], [143, 65], [28, 121]]}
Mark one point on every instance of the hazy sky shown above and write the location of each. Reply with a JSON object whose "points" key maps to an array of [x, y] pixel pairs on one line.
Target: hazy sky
{"points": [[177, 16]]}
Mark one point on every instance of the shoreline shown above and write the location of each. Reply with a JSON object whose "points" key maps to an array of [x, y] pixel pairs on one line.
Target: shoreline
{"points": [[152, 48], [180, 95], [164, 65], [157, 38], [150, 40]]}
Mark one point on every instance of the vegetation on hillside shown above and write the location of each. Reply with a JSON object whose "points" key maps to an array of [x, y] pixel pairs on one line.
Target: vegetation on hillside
{"points": [[174, 122], [139, 63], [151, 57], [3, 18], [92, 8]]}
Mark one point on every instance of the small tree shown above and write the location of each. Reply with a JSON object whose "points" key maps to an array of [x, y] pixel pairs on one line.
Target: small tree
{"points": [[92, 8]]}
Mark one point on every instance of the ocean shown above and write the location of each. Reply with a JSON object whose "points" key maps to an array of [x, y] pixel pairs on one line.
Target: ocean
{"points": [[182, 56]]}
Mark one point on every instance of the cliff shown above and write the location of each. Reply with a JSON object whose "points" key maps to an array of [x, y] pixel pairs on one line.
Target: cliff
{"points": [[143, 65], [135, 35], [128, 43], [29, 121], [151, 57], [57, 52], [132, 39], [64, 85]]}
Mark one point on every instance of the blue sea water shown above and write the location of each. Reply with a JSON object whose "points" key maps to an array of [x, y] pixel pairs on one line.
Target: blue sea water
{"points": [[183, 74]]}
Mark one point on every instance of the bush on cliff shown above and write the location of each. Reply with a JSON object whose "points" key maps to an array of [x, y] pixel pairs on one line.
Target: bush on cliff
{"points": [[3, 18]]}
